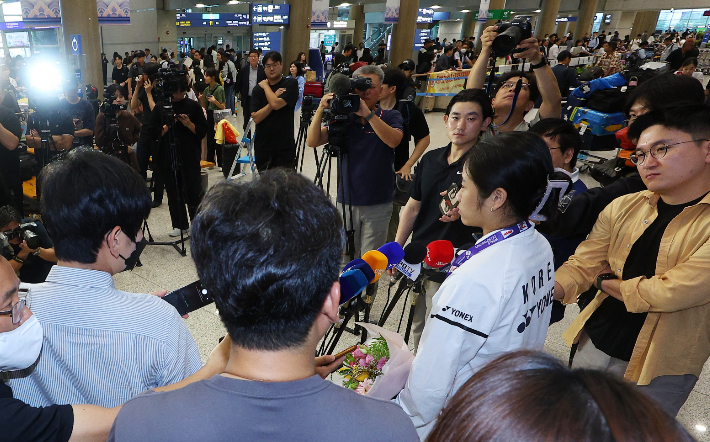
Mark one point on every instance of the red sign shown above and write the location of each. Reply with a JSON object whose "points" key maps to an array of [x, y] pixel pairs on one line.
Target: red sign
{"points": [[706, 14]]}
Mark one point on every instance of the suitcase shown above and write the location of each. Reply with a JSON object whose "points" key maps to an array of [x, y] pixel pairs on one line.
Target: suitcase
{"points": [[313, 88], [597, 123]]}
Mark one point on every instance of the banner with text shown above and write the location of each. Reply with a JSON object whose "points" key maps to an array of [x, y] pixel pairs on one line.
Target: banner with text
{"points": [[447, 82], [494, 14], [47, 12], [319, 14], [392, 11]]}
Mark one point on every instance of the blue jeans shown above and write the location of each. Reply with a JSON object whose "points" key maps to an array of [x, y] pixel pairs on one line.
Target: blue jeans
{"points": [[229, 92]]}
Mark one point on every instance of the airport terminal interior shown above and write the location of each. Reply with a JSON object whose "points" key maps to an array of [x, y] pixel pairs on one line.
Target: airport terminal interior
{"points": [[46, 44]]}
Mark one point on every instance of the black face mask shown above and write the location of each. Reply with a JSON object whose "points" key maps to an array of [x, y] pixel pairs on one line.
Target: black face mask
{"points": [[132, 260]]}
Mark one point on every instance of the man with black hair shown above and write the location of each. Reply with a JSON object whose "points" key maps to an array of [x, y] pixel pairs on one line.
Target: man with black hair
{"points": [[565, 75], [190, 127], [128, 128], [677, 57], [119, 75], [93, 207], [212, 98], [135, 72], [466, 116], [445, 61], [541, 82], [143, 102], [10, 133], [31, 265], [60, 125], [247, 79], [554, 48], [229, 75], [348, 53], [276, 312], [461, 57], [610, 60], [272, 106], [648, 257], [81, 112]]}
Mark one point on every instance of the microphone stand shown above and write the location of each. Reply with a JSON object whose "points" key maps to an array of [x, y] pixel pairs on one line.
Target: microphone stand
{"points": [[417, 289], [335, 332]]}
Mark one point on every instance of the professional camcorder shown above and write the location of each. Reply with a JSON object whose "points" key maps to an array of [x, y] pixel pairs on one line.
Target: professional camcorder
{"points": [[345, 101], [109, 108], [167, 80], [510, 34]]}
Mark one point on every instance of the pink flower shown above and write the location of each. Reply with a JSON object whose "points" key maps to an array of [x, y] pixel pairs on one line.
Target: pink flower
{"points": [[352, 363], [381, 363], [364, 386], [363, 362], [358, 354], [369, 360]]}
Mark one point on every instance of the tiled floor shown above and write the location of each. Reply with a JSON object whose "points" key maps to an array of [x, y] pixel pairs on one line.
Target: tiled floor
{"points": [[164, 268]]}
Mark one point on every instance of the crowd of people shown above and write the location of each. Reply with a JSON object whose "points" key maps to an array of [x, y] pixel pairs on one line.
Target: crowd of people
{"points": [[632, 255]]}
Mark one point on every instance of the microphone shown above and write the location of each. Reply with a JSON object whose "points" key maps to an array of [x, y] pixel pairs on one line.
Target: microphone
{"points": [[439, 253], [340, 84], [377, 261], [457, 252], [360, 264], [352, 283], [394, 253], [411, 265]]}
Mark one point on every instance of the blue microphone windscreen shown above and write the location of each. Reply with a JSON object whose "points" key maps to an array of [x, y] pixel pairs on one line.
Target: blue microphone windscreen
{"points": [[361, 265], [352, 283], [394, 253]]}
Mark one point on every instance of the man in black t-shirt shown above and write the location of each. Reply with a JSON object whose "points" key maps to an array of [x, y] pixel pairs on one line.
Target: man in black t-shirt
{"points": [[82, 114], [273, 102], [33, 265], [676, 58], [468, 113], [120, 73], [10, 133], [49, 117], [143, 102], [135, 72]]}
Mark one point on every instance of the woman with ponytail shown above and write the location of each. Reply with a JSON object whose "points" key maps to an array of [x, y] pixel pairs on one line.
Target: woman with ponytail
{"points": [[498, 295]]}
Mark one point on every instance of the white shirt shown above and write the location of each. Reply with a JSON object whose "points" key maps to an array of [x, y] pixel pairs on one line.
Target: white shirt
{"points": [[359, 52], [252, 78], [553, 52], [498, 301], [461, 55]]}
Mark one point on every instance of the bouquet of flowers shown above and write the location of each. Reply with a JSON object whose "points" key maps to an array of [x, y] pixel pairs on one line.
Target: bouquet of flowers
{"points": [[380, 367]]}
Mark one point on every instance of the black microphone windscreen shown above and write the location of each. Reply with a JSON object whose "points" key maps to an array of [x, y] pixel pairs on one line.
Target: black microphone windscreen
{"points": [[415, 252], [340, 84]]}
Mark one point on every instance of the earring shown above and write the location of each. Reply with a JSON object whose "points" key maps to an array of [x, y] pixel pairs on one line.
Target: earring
{"points": [[491, 209]]}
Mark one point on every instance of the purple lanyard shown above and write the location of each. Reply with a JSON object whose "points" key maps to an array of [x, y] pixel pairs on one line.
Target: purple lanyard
{"points": [[500, 235]]}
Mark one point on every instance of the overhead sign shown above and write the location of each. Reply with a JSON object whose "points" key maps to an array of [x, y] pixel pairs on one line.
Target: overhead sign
{"points": [[5, 26], [269, 14], [47, 12], [419, 36], [483, 11], [76, 48], [607, 18], [425, 15], [494, 14], [198, 20], [565, 19], [267, 41]]}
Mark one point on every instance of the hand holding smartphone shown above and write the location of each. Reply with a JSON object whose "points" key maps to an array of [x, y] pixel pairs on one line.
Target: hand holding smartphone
{"points": [[189, 298]]}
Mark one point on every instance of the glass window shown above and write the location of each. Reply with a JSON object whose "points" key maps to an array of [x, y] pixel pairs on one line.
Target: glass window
{"points": [[45, 37]]}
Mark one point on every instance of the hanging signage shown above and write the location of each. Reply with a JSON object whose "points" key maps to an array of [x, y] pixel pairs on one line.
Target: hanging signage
{"points": [[425, 15], [494, 14], [47, 12], [419, 36], [392, 11], [267, 41], [198, 20], [319, 13], [483, 11], [76, 48], [565, 19], [269, 14]]}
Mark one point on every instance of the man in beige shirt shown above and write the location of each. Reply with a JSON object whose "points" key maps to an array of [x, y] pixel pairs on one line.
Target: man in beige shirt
{"points": [[649, 256]]}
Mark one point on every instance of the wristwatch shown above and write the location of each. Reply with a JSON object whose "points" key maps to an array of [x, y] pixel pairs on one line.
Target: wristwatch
{"points": [[542, 63], [370, 115], [604, 277], [37, 252]]}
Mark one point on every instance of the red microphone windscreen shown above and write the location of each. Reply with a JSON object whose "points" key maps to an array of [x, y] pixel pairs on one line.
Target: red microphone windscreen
{"points": [[439, 253]]}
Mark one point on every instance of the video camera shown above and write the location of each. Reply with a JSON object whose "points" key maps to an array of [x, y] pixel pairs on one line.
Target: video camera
{"points": [[345, 101], [167, 81], [510, 34], [24, 232], [109, 108]]}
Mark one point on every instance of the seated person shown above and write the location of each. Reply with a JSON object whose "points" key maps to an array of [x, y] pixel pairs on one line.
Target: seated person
{"points": [[610, 61], [647, 256], [31, 265], [688, 69], [276, 312], [20, 346], [541, 82], [102, 346], [129, 131], [49, 127], [565, 75], [82, 113], [504, 399]]}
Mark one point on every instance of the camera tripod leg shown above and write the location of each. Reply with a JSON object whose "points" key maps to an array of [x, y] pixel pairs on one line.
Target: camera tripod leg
{"points": [[328, 346], [401, 288]]}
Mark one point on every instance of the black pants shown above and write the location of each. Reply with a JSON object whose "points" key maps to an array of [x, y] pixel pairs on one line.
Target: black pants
{"points": [[246, 110], [191, 196], [144, 149], [212, 147], [273, 159]]}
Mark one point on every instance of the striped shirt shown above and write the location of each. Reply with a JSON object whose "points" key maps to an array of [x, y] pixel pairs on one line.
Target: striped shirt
{"points": [[102, 346]]}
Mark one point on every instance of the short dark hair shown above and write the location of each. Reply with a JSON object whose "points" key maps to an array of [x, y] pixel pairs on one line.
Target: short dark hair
{"points": [[9, 214], [520, 163], [139, 54], [564, 55], [448, 48], [472, 96], [394, 77], [685, 116], [115, 87], [151, 70], [533, 393], [663, 90], [534, 91], [84, 196], [118, 56], [349, 47], [253, 51], [212, 72], [613, 44], [269, 274], [274, 56], [222, 53], [565, 133], [690, 61]]}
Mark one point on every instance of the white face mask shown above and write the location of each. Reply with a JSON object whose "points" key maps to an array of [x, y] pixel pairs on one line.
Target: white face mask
{"points": [[20, 348]]}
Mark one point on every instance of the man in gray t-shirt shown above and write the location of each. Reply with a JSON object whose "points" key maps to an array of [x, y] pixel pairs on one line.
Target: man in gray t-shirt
{"points": [[274, 278]]}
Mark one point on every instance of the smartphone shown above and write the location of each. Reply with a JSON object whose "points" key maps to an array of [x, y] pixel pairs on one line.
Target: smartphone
{"points": [[208, 95], [449, 201], [189, 298]]}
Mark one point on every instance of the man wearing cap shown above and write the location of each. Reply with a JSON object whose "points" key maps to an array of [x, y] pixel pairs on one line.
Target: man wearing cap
{"points": [[135, 72], [410, 87], [428, 46]]}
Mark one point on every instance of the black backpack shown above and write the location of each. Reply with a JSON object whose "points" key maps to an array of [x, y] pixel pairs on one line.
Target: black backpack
{"points": [[199, 76], [592, 73]]}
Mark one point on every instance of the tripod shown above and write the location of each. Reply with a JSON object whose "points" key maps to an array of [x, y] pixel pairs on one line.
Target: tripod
{"points": [[306, 117], [168, 119], [416, 288], [347, 311]]}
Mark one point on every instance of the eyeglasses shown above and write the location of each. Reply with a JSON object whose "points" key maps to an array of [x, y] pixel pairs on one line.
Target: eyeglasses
{"points": [[16, 311], [511, 85], [271, 66], [658, 152]]}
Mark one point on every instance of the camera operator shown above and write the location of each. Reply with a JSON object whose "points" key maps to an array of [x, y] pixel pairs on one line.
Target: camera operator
{"points": [[135, 72], [30, 264], [48, 117], [372, 135], [142, 104], [81, 112], [542, 82], [10, 132], [129, 128], [190, 128], [273, 102]]}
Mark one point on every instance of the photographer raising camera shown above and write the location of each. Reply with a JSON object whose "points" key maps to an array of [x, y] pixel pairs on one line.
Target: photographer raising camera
{"points": [[32, 249], [117, 130]]}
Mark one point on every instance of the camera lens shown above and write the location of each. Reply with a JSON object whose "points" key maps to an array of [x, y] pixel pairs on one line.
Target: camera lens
{"points": [[505, 43]]}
